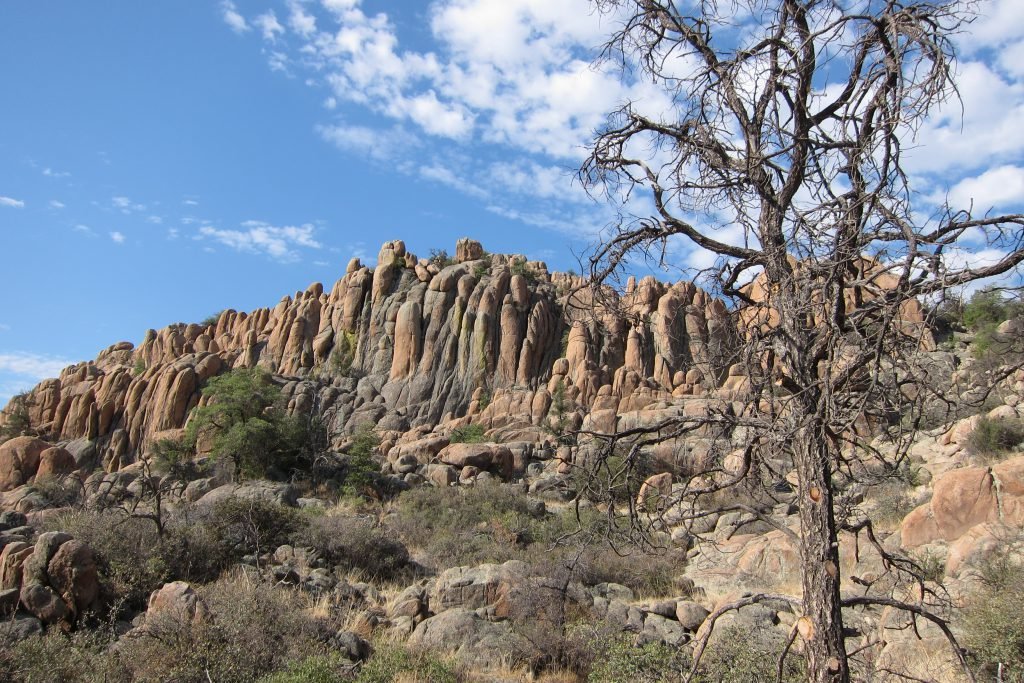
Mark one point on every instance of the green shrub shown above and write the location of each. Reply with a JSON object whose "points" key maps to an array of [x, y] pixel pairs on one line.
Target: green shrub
{"points": [[440, 258], [519, 267], [494, 523], [254, 630], [314, 669], [242, 526], [993, 628], [471, 433], [210, 320], [354, 543], [16, 418], [993, 438], [393, 662], [361, 467], [81, 657], [619, 660], [748, 655], [131, 559], [248, 426], [343, 355]]}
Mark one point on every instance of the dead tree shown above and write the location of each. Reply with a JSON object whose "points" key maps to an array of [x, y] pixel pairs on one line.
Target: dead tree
{"points": [[788, 128]]}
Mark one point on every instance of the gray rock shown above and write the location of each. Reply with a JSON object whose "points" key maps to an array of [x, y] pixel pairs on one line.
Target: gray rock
{"points": [[474, 641], [351, 646], [21, 627], [690, 615]]}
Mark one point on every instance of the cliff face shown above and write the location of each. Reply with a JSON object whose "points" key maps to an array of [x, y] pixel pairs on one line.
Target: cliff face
{"points": [[407, 344]]}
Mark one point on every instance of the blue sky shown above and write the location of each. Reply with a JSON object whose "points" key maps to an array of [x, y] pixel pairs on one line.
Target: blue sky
{"points": [[160, 161]]}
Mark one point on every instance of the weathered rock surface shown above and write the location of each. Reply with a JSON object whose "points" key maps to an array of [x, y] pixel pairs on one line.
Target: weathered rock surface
{"points": [[422, 342]]}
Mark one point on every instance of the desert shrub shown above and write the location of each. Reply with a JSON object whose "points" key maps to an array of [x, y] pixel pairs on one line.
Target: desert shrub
{"points": [[471, 433], [464, 525], [993, 628], [440, 258], [242, 526], [343, 354], [394, 662], [174, 457], [993, 438], [131, 558], [617, 659], [481, 269], [616, 478], [748, 655], [59, 490], [82, 657], [254, 630], [210, 320], [494, 523], [360, 467], [354, 543], [16, 419], [313, 669], [519, 267]]}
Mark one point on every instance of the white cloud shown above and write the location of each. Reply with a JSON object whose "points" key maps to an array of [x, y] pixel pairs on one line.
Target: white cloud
{"points": [[117, 237], [50, 173], [269, 26], [258, 237], [380, 145], [301, 22], [54, 204], [32, 365], [986, 130], [446, 176], [126, 206], [82, 228], [190, 202], [1000, 188], [232, 18], [155, 220], [11, 202]]}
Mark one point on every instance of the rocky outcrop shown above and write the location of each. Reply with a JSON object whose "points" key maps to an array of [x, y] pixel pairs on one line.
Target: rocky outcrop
{"points": [[403, 344]]}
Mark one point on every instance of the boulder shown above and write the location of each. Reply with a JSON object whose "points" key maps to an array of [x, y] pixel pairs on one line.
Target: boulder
{"points": [[475, 642], [59, 580], [19, 460], [468, 250], [475, 587], [177, 600], [690, 615], [55, 462], [486, 456]]}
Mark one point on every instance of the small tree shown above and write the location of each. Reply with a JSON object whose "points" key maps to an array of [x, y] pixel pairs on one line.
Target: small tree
{"points": [[244, 420], [830, 260], [17, 420]]}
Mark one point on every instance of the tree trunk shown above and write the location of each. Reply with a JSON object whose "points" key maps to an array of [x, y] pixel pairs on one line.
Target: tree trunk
{"points": [[821, 625]]}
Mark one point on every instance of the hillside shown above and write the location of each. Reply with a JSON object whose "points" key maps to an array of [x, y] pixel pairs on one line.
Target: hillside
{"points": [[428, 483]]}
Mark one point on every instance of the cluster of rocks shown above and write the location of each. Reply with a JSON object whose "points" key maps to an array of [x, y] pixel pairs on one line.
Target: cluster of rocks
{"points": [[53, 581], [427, 342]]}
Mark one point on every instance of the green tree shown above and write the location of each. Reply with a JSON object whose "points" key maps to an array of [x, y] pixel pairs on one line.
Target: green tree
{"points": [[16, 418], [246, 423]]}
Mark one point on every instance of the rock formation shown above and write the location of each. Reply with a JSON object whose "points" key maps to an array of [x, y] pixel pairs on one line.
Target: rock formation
{"points": [[403, 344]]}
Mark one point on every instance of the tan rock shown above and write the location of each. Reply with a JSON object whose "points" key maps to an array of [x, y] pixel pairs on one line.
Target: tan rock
{"points": [[19, 460], [54, 462], [468, 250]]}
